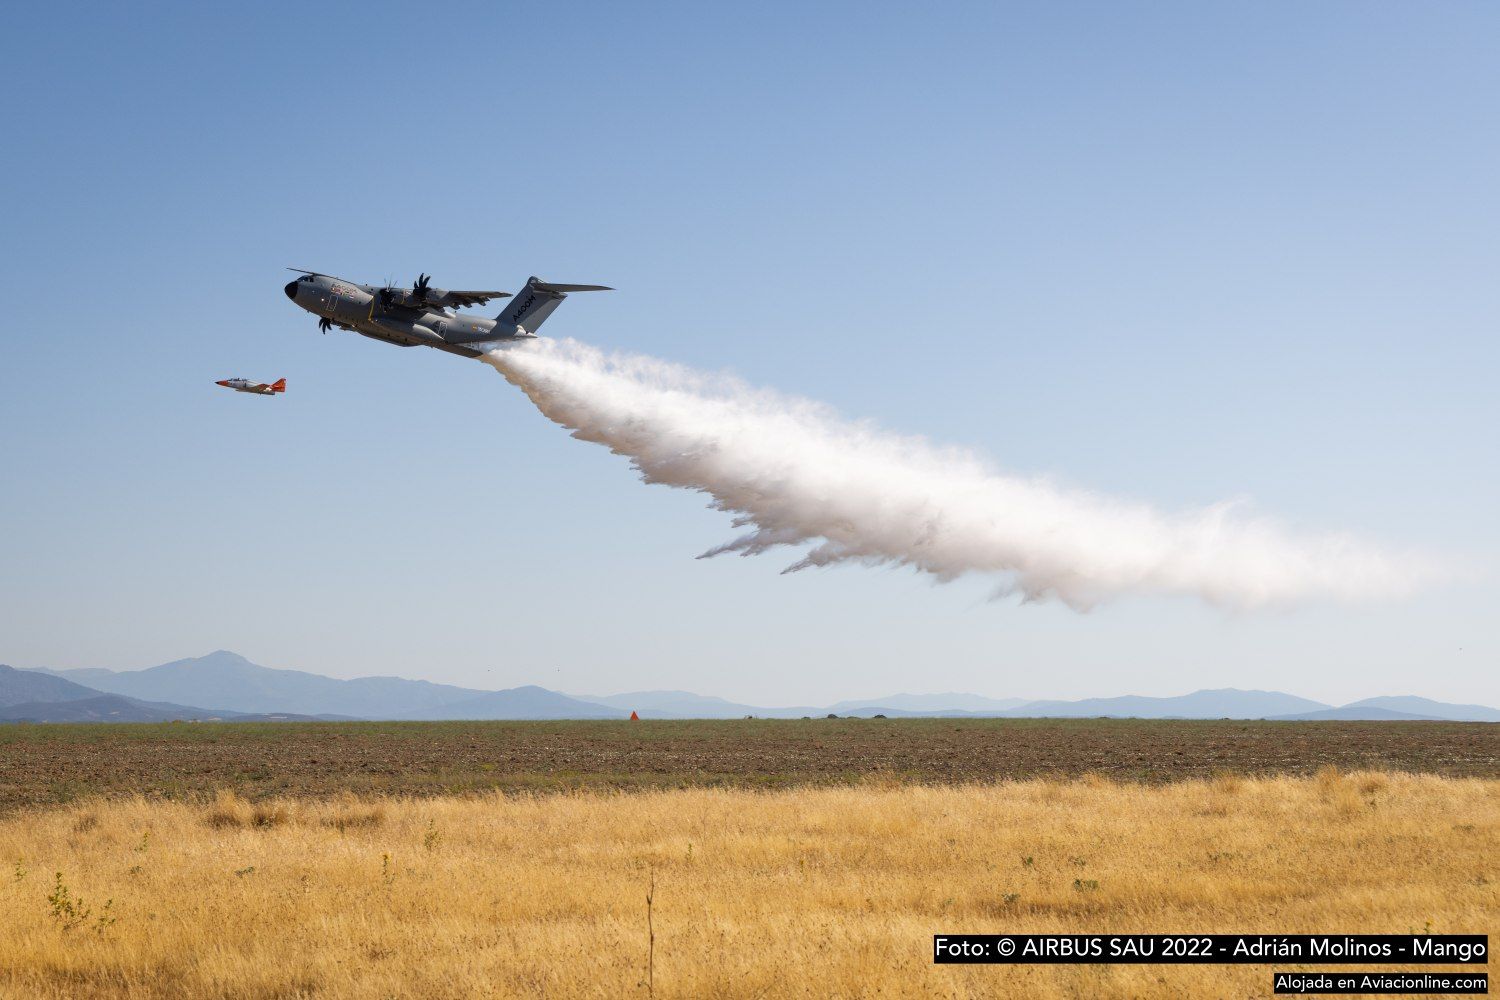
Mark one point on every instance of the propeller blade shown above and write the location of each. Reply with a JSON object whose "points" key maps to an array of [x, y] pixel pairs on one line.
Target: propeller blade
{"points": [[325, 324]]}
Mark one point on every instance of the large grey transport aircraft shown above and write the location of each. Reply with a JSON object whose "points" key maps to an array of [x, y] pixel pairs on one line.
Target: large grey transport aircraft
{"points": [[424, 315]]}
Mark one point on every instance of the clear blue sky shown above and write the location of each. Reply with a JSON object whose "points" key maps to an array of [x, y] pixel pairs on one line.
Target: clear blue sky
{"points": [[1172, 252]]}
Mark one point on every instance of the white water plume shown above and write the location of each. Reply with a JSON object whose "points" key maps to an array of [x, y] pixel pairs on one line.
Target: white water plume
{"points": [[795, 472]]}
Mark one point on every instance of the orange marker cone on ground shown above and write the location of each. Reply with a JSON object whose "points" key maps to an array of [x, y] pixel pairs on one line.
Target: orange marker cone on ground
{"points": [[634, 717]]}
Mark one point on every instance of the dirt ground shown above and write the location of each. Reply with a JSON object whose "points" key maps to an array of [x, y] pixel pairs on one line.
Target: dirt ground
{"points": [[46, 764]]}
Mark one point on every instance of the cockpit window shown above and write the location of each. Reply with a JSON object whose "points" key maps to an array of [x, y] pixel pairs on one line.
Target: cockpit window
{"points": [[306, 277]]}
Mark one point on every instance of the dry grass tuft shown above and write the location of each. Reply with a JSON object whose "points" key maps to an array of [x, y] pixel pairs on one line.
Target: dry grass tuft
{"points": [[227, 811], [809, 892], [1330, 778], [270, 814], [350, 813]]}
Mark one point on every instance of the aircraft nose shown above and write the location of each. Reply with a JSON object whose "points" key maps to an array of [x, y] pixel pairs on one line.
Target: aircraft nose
{"points": [[291, 290]]}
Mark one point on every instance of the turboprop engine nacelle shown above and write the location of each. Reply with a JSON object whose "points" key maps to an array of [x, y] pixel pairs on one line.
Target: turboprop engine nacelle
{"points": [[436, 298]]}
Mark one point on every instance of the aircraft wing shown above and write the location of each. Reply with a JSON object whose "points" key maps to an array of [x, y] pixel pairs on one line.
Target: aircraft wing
{"points": [[462, 300]]}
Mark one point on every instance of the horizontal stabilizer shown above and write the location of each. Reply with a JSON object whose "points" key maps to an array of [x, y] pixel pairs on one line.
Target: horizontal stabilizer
{"points": [[548, 286]]}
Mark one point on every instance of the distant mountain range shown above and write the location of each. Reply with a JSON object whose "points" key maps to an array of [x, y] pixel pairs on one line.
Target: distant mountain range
{"points": [[236, 689], [1406, 707], [234, 685], [1225, 703], [226, 680], [953, 702], [686, 705], [34, 696]]}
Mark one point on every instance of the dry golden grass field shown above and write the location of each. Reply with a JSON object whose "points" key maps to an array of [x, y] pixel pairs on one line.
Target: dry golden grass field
{"points": [[804, 892]]}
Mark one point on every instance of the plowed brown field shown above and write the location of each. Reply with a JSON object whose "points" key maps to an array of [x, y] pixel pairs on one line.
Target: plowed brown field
{"points": [[44, 764]]}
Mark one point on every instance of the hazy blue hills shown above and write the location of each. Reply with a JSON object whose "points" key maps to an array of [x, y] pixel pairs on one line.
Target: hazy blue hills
{"points": [[18, 687], [1401, 707], [951, 702], [34, 696], [99, 708], [235, 687], [529, 702], [233, 684], [1224, 703], [686, 705], [118, 708], [228, 680], [1354, 713], [1426, 706]]}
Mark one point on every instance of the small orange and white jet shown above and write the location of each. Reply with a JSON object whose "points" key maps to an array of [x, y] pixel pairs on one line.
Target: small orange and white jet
{"points": [[259, 388]]}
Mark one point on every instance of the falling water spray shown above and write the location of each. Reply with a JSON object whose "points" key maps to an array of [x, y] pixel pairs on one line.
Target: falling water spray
{"points": [[795, 473]]}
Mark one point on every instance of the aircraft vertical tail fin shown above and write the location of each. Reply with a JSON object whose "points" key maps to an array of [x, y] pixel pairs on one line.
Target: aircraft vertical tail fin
{"points": [[279, 385], [533, 304]]}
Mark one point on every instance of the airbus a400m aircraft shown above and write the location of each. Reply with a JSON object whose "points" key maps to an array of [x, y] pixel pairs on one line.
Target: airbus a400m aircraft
{"points": [[423, 315]]}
